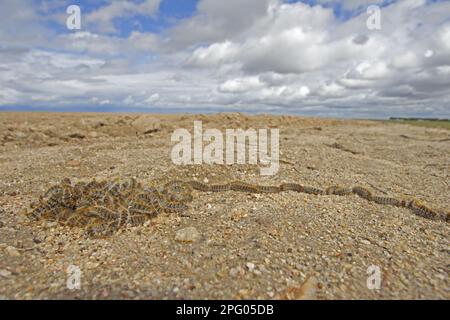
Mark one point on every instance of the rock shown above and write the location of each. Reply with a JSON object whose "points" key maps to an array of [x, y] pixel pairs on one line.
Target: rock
{"points": [[13, 252], [5, 273], [189, 234], [37, 240], [250, 266]]}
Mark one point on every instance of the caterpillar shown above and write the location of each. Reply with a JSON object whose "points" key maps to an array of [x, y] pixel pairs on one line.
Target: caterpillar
{"points": [[103, 207]]}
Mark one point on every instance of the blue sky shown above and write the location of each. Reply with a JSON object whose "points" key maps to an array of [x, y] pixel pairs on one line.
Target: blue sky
{"points": [[170, 11], [312, 57]]}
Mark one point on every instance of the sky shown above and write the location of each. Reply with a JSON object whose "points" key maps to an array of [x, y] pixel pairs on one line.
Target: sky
{"points": [[308, 57]]}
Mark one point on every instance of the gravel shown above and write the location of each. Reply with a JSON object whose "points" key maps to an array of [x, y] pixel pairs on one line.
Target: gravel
{"points": [[228, 245]]}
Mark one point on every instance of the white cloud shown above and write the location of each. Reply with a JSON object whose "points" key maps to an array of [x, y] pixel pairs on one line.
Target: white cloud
{"points": [[153, 98], [214, 54], [233, 55], [102, 19], [241, 85]]}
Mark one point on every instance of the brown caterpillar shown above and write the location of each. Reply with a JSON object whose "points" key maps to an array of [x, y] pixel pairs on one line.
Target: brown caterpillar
{"points": [[103, 207], [362, 192], [386, 201], [291, 187], [423, 211], [338, 190], [312, 190], [268, 189]]}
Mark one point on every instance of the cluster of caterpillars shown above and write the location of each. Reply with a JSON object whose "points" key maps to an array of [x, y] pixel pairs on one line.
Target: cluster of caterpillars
{"points": [[103, 207]]}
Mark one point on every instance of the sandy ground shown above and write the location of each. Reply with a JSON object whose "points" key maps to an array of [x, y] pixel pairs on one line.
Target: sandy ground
{"points": [[249, 246]]}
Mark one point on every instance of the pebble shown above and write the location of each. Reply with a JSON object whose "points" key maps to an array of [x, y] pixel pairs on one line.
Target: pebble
{"points": [[13, 252], [250, 266], [5, 273], [37, 240], [189, 234]]}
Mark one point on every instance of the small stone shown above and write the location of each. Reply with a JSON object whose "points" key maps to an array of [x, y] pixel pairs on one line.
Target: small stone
{"points": [[37, 240], [13, 252], [5, 273], [250, 266], [189, 234]]}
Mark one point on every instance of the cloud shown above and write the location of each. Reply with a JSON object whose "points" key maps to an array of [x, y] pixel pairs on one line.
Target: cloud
{"points": [[217, 21], [102, 19], [153, 98], [262, 55], [241, 85]]}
